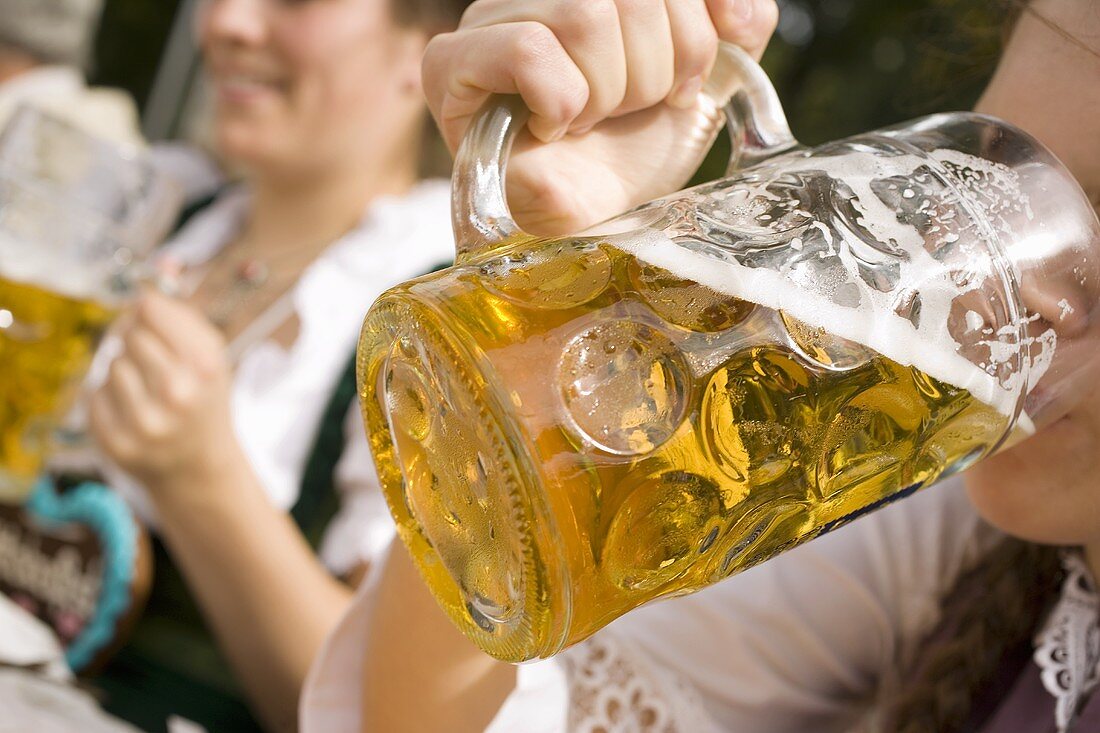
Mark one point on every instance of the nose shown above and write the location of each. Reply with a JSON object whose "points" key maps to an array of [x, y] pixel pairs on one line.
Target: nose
{"points": [[240, 22]]}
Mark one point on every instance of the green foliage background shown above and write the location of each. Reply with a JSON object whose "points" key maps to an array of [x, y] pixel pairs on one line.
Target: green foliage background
{"points": [[132, 34], [848, 66]]}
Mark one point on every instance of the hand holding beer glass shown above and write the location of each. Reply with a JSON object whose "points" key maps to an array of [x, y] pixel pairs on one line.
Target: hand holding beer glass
{"points": [[566, 429], [77, 216]]}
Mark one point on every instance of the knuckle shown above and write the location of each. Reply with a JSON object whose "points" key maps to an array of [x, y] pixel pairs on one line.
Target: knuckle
{"points": [[580, 19], [767, 13], [532, 45], [541, 65], [118, 370], [698, 51], [154, 430], [436, 53], [573, 100], [468, 15], [178, 393]]}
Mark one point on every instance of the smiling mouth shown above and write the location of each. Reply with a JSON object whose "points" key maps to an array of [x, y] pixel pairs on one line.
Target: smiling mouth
{"points": [[244, 86]]}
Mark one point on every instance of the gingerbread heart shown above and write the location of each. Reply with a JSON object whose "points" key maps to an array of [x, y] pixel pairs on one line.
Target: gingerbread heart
{"points": [[79, 561]]}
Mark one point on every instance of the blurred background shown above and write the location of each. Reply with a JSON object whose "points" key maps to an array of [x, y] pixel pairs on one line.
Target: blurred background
{"points": [[924, 56]]}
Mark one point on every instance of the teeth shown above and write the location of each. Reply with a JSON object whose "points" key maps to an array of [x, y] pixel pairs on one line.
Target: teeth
{"points": [[244, 81]]}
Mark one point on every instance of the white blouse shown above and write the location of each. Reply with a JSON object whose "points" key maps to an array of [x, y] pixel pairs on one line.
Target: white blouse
{"points": [[279, 395], [803, 642]]}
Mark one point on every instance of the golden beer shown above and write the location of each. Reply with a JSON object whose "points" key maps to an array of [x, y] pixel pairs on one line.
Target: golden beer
{"points": [[656, 436], [567, 429], [47, 340]]}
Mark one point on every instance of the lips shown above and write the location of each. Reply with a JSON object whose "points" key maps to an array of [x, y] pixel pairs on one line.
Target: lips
{"points": [[241, 89], [242, 86]]}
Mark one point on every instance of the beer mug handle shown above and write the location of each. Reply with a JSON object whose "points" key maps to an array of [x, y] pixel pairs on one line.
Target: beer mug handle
{"points": [[755, 120], [479, 207]]}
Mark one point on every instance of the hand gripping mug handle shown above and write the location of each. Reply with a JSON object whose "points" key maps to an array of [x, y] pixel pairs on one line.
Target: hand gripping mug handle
{"points": [[479, 207]]}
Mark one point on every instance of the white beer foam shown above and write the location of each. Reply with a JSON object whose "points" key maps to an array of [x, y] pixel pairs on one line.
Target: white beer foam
{"points": [[874, 323]]}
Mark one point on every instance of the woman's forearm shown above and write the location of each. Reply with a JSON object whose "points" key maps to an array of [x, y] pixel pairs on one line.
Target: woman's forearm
{"points": [[268, 599], [420, 673]]}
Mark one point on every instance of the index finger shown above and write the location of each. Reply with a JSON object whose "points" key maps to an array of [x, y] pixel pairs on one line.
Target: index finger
{"points": [[527, 59], [181, 329], [747, 23]]}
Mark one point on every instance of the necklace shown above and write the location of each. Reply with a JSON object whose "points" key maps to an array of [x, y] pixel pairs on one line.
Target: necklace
{"points": [[248, 279], [250, 275]]}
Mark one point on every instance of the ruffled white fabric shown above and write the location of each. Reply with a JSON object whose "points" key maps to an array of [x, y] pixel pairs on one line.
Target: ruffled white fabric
{"points": [[1067, 649]]}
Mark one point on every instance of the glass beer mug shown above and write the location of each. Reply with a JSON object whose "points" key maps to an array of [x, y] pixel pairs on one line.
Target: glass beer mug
{"points": [[76, 215], [568, 428]]}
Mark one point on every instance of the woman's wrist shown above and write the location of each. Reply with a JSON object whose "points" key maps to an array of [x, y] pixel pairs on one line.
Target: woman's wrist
{"points": [[220, 483]]}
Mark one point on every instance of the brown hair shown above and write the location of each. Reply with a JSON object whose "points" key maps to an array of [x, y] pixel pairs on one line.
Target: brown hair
{"points": [[992, 612], [436, 16]]}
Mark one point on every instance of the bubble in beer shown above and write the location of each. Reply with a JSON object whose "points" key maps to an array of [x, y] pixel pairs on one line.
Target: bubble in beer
{"points": [[824, 349], [662, 527], [685, 303], [553, 275], [624, 386]]}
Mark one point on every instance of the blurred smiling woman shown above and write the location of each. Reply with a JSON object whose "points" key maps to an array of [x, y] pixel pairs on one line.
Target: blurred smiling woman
{"points": [[211, 414]]}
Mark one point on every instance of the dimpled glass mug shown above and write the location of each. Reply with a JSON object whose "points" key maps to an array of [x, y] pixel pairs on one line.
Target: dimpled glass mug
{"points": [[78, 215], [568, 428]]}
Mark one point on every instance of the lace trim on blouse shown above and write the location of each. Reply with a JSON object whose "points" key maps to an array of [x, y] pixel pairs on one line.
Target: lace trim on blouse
{"points": [[613, 690], [1067, 649]]}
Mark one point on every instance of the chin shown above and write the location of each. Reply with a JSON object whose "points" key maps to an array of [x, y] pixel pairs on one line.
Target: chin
{"points": [[243, 145], [1045, 490], [1012, 509]]}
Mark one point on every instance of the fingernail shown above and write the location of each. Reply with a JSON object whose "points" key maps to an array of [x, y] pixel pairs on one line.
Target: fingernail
{"points": [[687, 94], [741, 9], [544, 133]]}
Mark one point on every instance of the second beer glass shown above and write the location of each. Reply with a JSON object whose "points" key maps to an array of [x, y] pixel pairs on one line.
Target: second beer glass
{"points": [[77, 214]]}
